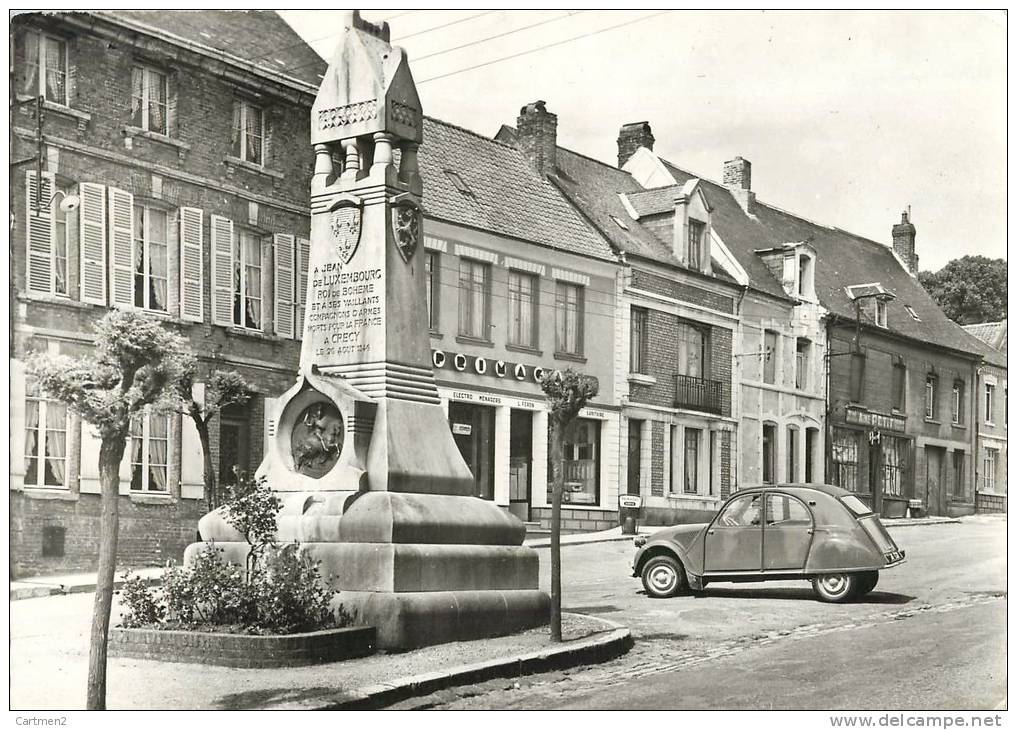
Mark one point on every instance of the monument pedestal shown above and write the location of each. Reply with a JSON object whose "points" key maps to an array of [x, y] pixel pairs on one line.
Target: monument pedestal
{"points": [[362, 456]]}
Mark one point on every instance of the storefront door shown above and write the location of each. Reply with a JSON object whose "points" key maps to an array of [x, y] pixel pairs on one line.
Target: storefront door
{"points": [[934, 479], [473, 431], [520, 463]]}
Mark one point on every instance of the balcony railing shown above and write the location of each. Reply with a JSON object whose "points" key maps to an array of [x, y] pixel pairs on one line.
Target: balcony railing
{"points": [[699, 394]]}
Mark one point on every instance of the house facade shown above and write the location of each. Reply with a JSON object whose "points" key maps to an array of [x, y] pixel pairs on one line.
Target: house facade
{"points": [[991, 460], [190, 165]]}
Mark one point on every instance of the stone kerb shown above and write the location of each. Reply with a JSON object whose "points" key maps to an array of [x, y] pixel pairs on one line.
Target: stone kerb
{"points": [[243, 650]]}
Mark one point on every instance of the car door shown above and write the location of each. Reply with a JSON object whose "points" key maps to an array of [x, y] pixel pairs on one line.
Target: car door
{"points": [[734, 542], [787, 532]]}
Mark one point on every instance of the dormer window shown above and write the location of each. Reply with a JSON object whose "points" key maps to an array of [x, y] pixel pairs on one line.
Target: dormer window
{"points": [[806, 277], [880, 312], [694, 244]]}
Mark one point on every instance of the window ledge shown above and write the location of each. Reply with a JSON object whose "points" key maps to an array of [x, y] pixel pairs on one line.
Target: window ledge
{"points": [[523, 348], [933, 421], [251, 167], [57, 493], [569, 356], [130, 132], [59, 299], [959, 425], [642, 379], [151, 498], [257, 334], [468, 340], [82, 117], [990, 424], [435, 335]]}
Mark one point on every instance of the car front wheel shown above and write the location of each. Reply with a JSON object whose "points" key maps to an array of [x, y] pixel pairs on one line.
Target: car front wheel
{"points": [[663, 576], [835, 587]]}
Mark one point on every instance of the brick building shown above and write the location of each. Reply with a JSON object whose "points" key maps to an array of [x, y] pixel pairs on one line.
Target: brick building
{"points": [[675, 319], [185, 138]]}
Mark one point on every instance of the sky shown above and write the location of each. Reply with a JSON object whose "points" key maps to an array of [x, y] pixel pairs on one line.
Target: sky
{"points": [[848, 118]]}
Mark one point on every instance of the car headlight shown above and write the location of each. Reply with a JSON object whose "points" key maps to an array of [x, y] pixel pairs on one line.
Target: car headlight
{"points": [[640, 541]]}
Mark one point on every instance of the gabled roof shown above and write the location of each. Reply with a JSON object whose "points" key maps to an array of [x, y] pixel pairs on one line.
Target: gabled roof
{"points": [[259, 36], [475, 181], [991, 333], [843, 259]]}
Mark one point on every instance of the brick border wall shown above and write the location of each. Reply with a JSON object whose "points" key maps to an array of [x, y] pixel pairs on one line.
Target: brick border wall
{"points": [[240, 650], [576, 520]]}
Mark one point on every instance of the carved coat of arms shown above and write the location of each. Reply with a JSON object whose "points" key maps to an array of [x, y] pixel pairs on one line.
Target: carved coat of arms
{"points": [[344, 223], [406, 228]]}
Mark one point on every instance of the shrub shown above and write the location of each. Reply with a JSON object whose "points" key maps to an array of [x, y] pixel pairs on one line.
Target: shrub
{"points": [[290, 593], [142, 608]]}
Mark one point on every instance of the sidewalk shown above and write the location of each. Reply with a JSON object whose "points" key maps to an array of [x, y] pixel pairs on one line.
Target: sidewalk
{"points": [[50, 585]]}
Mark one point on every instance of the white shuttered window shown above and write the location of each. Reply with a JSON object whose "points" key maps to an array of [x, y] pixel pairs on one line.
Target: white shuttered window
{"points": [[285, 284], [92, 230], [191, 298], [46, 256], [222, 270], [303, 256]]}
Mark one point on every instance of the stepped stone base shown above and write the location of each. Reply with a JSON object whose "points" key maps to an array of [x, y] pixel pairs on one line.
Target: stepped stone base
{"points": [[413, 620]]}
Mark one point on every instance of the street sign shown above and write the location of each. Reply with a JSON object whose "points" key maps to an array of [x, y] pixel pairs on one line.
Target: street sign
{"points": [[630, 501]]}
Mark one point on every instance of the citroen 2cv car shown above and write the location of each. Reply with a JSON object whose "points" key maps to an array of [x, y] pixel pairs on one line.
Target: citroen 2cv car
{"points": [[815, 532]]}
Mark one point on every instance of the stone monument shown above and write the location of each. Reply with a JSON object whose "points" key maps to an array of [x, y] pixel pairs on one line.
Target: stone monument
{"points": [[362, 456]]}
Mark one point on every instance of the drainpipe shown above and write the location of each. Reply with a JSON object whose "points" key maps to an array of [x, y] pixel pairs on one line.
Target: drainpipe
{"points": [[976, 369], [827, 427]]}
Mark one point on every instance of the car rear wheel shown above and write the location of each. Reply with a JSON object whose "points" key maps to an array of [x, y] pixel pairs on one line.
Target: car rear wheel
{"points": [[663, 576], [866, 582], [835, 587]]}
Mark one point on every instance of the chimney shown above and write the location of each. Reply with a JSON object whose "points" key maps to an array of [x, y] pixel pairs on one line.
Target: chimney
{"points": [[738, 178], [537, 134], [631, 137], [904, 242]]}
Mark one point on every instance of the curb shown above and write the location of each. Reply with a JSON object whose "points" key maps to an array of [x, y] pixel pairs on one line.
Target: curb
{"points": [[922, 522], [42, 590], [592, 650], [612, 538]]}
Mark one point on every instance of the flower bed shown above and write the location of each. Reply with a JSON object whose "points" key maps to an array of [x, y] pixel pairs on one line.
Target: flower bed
{"points": [[243, 650]]}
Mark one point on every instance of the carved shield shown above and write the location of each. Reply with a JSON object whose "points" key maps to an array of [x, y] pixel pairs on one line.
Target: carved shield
{"points": [[345, 226], [406, 229]]}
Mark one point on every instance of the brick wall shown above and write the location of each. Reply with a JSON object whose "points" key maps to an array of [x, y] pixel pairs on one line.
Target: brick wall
{"points": [[682, 291], [725, 464], [657, 434]]}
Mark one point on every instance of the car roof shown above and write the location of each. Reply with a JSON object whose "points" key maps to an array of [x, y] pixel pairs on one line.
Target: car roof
{"points": [[829, 489]]}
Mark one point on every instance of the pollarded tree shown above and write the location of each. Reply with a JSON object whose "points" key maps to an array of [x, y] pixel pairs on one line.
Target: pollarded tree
{"points": [[223, 388], [567, 393], [138, 364]]}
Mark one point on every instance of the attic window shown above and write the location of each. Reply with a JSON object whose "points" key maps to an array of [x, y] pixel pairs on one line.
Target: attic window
{"points": [[461, 186], [914, 315], [880, 312], [620, 222]]}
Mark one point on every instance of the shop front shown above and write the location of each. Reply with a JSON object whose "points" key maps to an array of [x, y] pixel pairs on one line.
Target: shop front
{"points": [[872, 456]]}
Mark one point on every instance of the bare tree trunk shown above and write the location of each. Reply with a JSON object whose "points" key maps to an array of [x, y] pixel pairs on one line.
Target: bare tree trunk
{"points": [[557, 481], [111, 453], [211, 496]]}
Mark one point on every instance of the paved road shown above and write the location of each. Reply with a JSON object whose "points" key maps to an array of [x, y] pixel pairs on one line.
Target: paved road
{"points": [[931, 636]]}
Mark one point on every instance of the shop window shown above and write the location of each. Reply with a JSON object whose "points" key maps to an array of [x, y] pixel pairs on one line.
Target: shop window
{"points": [[432, 269], [248, 133], [898, 386], [768, 453], [769, 356], [639, 341], [523, 318], [149, 99], [930, 397], [959, 491], [957, 403], [149, 452], [151, 258], [569, 313], [803, 357], [44, 67], [581, 462], [45, 440], [990, 457], [693, 442], [845, 459], [474, 298], [896, 459], [811, 443], [473, 430]]}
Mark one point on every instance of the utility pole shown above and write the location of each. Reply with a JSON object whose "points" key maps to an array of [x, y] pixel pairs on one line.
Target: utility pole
{"points": [[38, 154]]}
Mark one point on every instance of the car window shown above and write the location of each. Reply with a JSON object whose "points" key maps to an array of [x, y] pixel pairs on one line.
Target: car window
{"points": [[855, 505], [741, 512], [784, 510]]}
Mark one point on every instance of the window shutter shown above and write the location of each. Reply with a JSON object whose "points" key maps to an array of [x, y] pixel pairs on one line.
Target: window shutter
{"points": [[39, 275], [284, 255], [266, 141], [222, 270], [72, 74], [303, 257], [191, 235], [192, 480], [92, 230], [171, 107], [121, 260]]}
